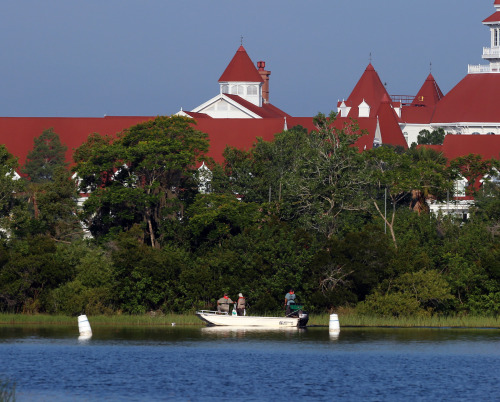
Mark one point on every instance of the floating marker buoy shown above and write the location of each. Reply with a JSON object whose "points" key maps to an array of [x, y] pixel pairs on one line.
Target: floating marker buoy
{"points": [[84, 326], [334, 323], [173, 324]]}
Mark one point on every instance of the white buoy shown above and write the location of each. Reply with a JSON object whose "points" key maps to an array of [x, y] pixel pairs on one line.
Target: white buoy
{"points": [[84, 326], [334, 323]]}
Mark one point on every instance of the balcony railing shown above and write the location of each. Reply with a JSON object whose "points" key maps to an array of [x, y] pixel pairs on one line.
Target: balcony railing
{"points": [[404, 99], [484, 68], [491, 52]]}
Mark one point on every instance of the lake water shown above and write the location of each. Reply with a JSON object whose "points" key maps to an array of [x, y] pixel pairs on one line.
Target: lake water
{"points": [[218, 364]]}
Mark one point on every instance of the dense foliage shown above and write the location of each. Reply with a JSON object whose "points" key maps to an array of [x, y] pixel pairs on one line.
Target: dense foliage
{"points": [[307, 210]]}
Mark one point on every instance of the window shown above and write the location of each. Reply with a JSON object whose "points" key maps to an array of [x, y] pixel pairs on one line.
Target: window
{"points": [[252, 90], [460, 186], [225, 89], [237, 90]]}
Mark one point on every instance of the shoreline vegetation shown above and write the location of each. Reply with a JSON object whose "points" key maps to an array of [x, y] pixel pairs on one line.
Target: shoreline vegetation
{"points": [[346, 320]]}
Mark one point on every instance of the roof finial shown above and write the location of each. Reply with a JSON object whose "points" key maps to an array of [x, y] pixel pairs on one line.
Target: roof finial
{"points": [[430, 67], [241, 40], [370, 57]]}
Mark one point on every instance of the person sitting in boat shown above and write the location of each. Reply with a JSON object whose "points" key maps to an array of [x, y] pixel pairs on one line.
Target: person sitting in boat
{"points": [[223, 304], [289, 299], [240, 305]]}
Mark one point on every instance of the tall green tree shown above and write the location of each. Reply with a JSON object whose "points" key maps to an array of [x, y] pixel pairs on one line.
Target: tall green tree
{"points": [[332, 178], [47, 155], [408, 179], [143, 177]]}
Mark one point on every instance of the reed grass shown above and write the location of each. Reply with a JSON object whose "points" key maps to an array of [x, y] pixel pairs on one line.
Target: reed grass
{"points": [[7, 391], [97, 320], [351, 319], [347, 318]]}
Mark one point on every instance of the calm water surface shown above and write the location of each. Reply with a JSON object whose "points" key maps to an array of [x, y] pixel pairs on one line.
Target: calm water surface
{"points": [[214, 364]]}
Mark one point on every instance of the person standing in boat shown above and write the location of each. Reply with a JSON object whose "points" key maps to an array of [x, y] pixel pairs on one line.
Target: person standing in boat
{"points": [[240, 305], [223, 304], [289, 299]]}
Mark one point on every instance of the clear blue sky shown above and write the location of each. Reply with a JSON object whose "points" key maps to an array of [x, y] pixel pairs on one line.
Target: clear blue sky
{"points": [[151, 57]]}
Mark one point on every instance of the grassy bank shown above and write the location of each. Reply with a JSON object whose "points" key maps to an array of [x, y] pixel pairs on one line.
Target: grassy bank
{"points": [[346, 318], [113, 320]]}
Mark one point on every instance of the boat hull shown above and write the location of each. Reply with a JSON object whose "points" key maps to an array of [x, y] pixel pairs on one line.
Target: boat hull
{"points": [[213, 318]]}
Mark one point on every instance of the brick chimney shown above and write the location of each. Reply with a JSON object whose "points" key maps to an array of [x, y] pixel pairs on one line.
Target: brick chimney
{"points": [[265, 76]]}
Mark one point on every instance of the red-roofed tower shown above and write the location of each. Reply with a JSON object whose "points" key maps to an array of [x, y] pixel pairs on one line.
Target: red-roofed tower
{"points": [[366, 96], [430, 93], [242, 78]]}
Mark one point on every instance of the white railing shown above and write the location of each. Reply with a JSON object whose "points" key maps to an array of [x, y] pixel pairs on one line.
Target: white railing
{"points": [[491, 52], [484, 68]]}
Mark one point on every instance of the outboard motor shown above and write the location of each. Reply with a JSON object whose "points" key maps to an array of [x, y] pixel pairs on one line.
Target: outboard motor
{"points": [[303, 318]]}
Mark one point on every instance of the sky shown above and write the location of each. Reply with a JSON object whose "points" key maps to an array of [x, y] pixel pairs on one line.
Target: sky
{"points": [[90, 58]]}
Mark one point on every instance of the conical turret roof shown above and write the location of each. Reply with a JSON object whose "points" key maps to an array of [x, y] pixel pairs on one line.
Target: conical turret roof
{"points": [[429, 93], [241, 69], [495, 17], [369, 89]]}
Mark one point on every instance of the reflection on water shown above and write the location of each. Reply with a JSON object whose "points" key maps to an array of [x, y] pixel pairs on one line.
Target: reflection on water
{"points": [[226, 363]]}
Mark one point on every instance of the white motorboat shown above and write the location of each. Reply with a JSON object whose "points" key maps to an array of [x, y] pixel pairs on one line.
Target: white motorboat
{"points": [[224, 319]]}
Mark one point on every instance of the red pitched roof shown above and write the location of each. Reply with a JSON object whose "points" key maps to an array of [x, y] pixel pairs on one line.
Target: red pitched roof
{"points": [[429, 93], [488, 146], [495, 17], [241, 68], [389, 127], [422, 107], [196, 115], [17, 133], [474, 99], [370, 89], [242, 133], [417, 115], [265, 111]]}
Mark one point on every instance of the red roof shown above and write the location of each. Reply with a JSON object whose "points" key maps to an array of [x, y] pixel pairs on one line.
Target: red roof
{"points": [[387, 120], [17, 133], [429, 93], [422, 107], [488, 146], [474, 99], [265, 111], [370, 89], [389, 127], [241, 68], [242, 133], [495, 17], [196, 115]]}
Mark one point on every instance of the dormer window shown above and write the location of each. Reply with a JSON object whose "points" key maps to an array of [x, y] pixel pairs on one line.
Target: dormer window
{"points": [[363, 109]]}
